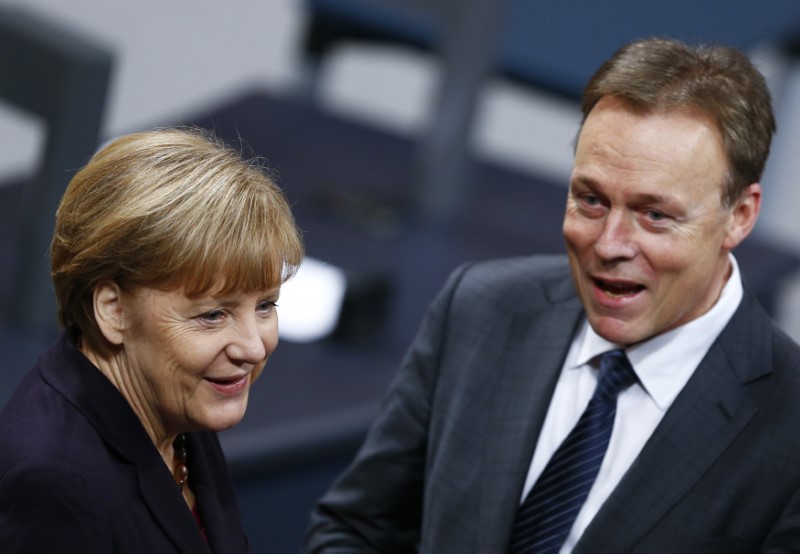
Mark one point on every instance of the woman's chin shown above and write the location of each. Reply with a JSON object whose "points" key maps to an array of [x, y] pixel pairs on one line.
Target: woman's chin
{"points": [[223, 417]]}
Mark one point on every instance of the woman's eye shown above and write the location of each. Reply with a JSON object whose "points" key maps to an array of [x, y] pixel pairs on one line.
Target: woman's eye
{"points": [[213, 316], [267, 306]]}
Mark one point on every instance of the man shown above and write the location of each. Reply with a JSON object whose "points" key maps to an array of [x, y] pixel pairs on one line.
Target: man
{"points": [[700, 450]]}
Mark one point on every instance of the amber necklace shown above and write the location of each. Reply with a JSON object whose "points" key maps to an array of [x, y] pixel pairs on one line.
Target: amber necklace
{"points": [[181, 471]]}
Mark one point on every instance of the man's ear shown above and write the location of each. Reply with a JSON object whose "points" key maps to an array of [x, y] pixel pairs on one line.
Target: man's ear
{"points": [[743, 216], [108, 312]]}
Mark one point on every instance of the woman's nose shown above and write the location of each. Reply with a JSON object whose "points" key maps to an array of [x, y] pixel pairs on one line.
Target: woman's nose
{"points": [[248, 343]]}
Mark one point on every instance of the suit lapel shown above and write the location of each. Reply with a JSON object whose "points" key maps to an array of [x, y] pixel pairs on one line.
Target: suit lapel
{"points": [[710, 412], [68, 371], [218, 507], [533, 354], [165, 502]]}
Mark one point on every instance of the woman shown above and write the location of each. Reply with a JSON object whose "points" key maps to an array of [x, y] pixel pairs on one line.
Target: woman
{"points": [[167, 259]]}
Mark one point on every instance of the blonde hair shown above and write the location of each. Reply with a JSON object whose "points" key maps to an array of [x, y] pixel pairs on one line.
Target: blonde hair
{"points": [[165, 209]]}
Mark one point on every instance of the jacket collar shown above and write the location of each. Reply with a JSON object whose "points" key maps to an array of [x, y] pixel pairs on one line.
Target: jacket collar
{"points": [[69, 372], [533, 347], [717, 396]]}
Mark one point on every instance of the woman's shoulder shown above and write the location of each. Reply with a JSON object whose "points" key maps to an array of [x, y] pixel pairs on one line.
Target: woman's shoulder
{"points": [[47, 472], [40, 428]]}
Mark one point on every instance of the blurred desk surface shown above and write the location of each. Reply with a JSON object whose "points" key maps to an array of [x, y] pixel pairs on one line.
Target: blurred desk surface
{"points": [[349, 186]]}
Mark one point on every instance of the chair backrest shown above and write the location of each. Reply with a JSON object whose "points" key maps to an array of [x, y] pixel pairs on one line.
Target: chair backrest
{"points": [[556, 46], [411, 23], [62, 77]]}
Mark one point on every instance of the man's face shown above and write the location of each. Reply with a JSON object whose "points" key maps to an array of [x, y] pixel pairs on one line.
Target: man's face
{"points": [[645, 229]]}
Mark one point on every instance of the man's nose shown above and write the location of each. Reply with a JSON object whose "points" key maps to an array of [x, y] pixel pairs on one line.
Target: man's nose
{"points": [[617, 237]]}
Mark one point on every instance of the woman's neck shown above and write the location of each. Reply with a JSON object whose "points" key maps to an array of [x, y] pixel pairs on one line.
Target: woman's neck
{"points": [[115, 370]]}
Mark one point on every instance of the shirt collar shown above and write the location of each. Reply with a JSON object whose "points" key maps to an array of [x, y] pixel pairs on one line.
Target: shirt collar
{"points": [[665, 362]]}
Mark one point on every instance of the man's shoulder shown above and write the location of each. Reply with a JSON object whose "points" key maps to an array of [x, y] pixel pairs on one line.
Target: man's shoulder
{"points": [[786, 351], [756, 345], [519, 272], [539, 266], [512, 284]]}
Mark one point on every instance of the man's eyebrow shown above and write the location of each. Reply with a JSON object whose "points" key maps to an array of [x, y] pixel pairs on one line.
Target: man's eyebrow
{"points": [[638, 197], [653, 198], [582, 179]]}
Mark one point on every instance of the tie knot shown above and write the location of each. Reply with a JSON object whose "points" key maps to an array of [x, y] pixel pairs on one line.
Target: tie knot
{"points": [[615, 375]]}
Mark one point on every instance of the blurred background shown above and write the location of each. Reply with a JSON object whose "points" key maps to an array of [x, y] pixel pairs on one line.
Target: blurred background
{"points": [[410, 136]]}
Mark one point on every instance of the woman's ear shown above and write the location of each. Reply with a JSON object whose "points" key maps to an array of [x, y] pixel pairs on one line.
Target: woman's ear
{"points": [[108, 311]]}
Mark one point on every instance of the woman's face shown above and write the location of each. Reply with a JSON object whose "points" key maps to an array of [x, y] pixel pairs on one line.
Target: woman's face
{"points": [[190, 362]]}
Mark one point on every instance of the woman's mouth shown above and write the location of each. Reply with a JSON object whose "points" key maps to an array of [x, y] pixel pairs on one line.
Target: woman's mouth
{"points": [[229, 386]]}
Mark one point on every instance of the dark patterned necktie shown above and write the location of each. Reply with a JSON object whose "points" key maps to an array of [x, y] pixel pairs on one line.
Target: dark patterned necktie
{"points": [[546, 516]]}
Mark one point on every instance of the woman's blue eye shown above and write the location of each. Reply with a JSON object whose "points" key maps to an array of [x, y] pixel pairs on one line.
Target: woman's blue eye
{"points": [[213, 315]]}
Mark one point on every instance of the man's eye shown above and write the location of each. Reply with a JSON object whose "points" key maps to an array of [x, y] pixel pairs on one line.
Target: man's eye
{"points": [[655, 215]]}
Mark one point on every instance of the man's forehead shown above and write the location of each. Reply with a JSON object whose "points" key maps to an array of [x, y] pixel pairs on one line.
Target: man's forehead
{"points": [[655, 150], [613, 123]]}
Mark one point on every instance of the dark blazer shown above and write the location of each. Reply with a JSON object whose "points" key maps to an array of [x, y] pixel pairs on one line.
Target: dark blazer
{"points": [[443, 466], [78, 472]]}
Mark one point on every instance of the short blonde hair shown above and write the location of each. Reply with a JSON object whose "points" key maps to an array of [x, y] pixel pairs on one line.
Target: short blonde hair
{"points": [[165, 209]]}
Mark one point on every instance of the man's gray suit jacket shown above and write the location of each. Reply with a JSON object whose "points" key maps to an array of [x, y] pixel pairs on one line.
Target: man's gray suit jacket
{"points": [[443, 466]]}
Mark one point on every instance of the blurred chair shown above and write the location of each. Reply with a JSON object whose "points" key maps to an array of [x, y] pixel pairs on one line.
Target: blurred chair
{"points": [[332, 23], [464, 36], [62, 77], [550, 45]]}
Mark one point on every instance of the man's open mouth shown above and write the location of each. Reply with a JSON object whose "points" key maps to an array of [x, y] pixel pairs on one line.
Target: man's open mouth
{"points": [[618, 290]]}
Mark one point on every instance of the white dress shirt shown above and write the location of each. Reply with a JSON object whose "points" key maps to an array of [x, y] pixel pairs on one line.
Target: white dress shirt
{"points": [[663, 364]]}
